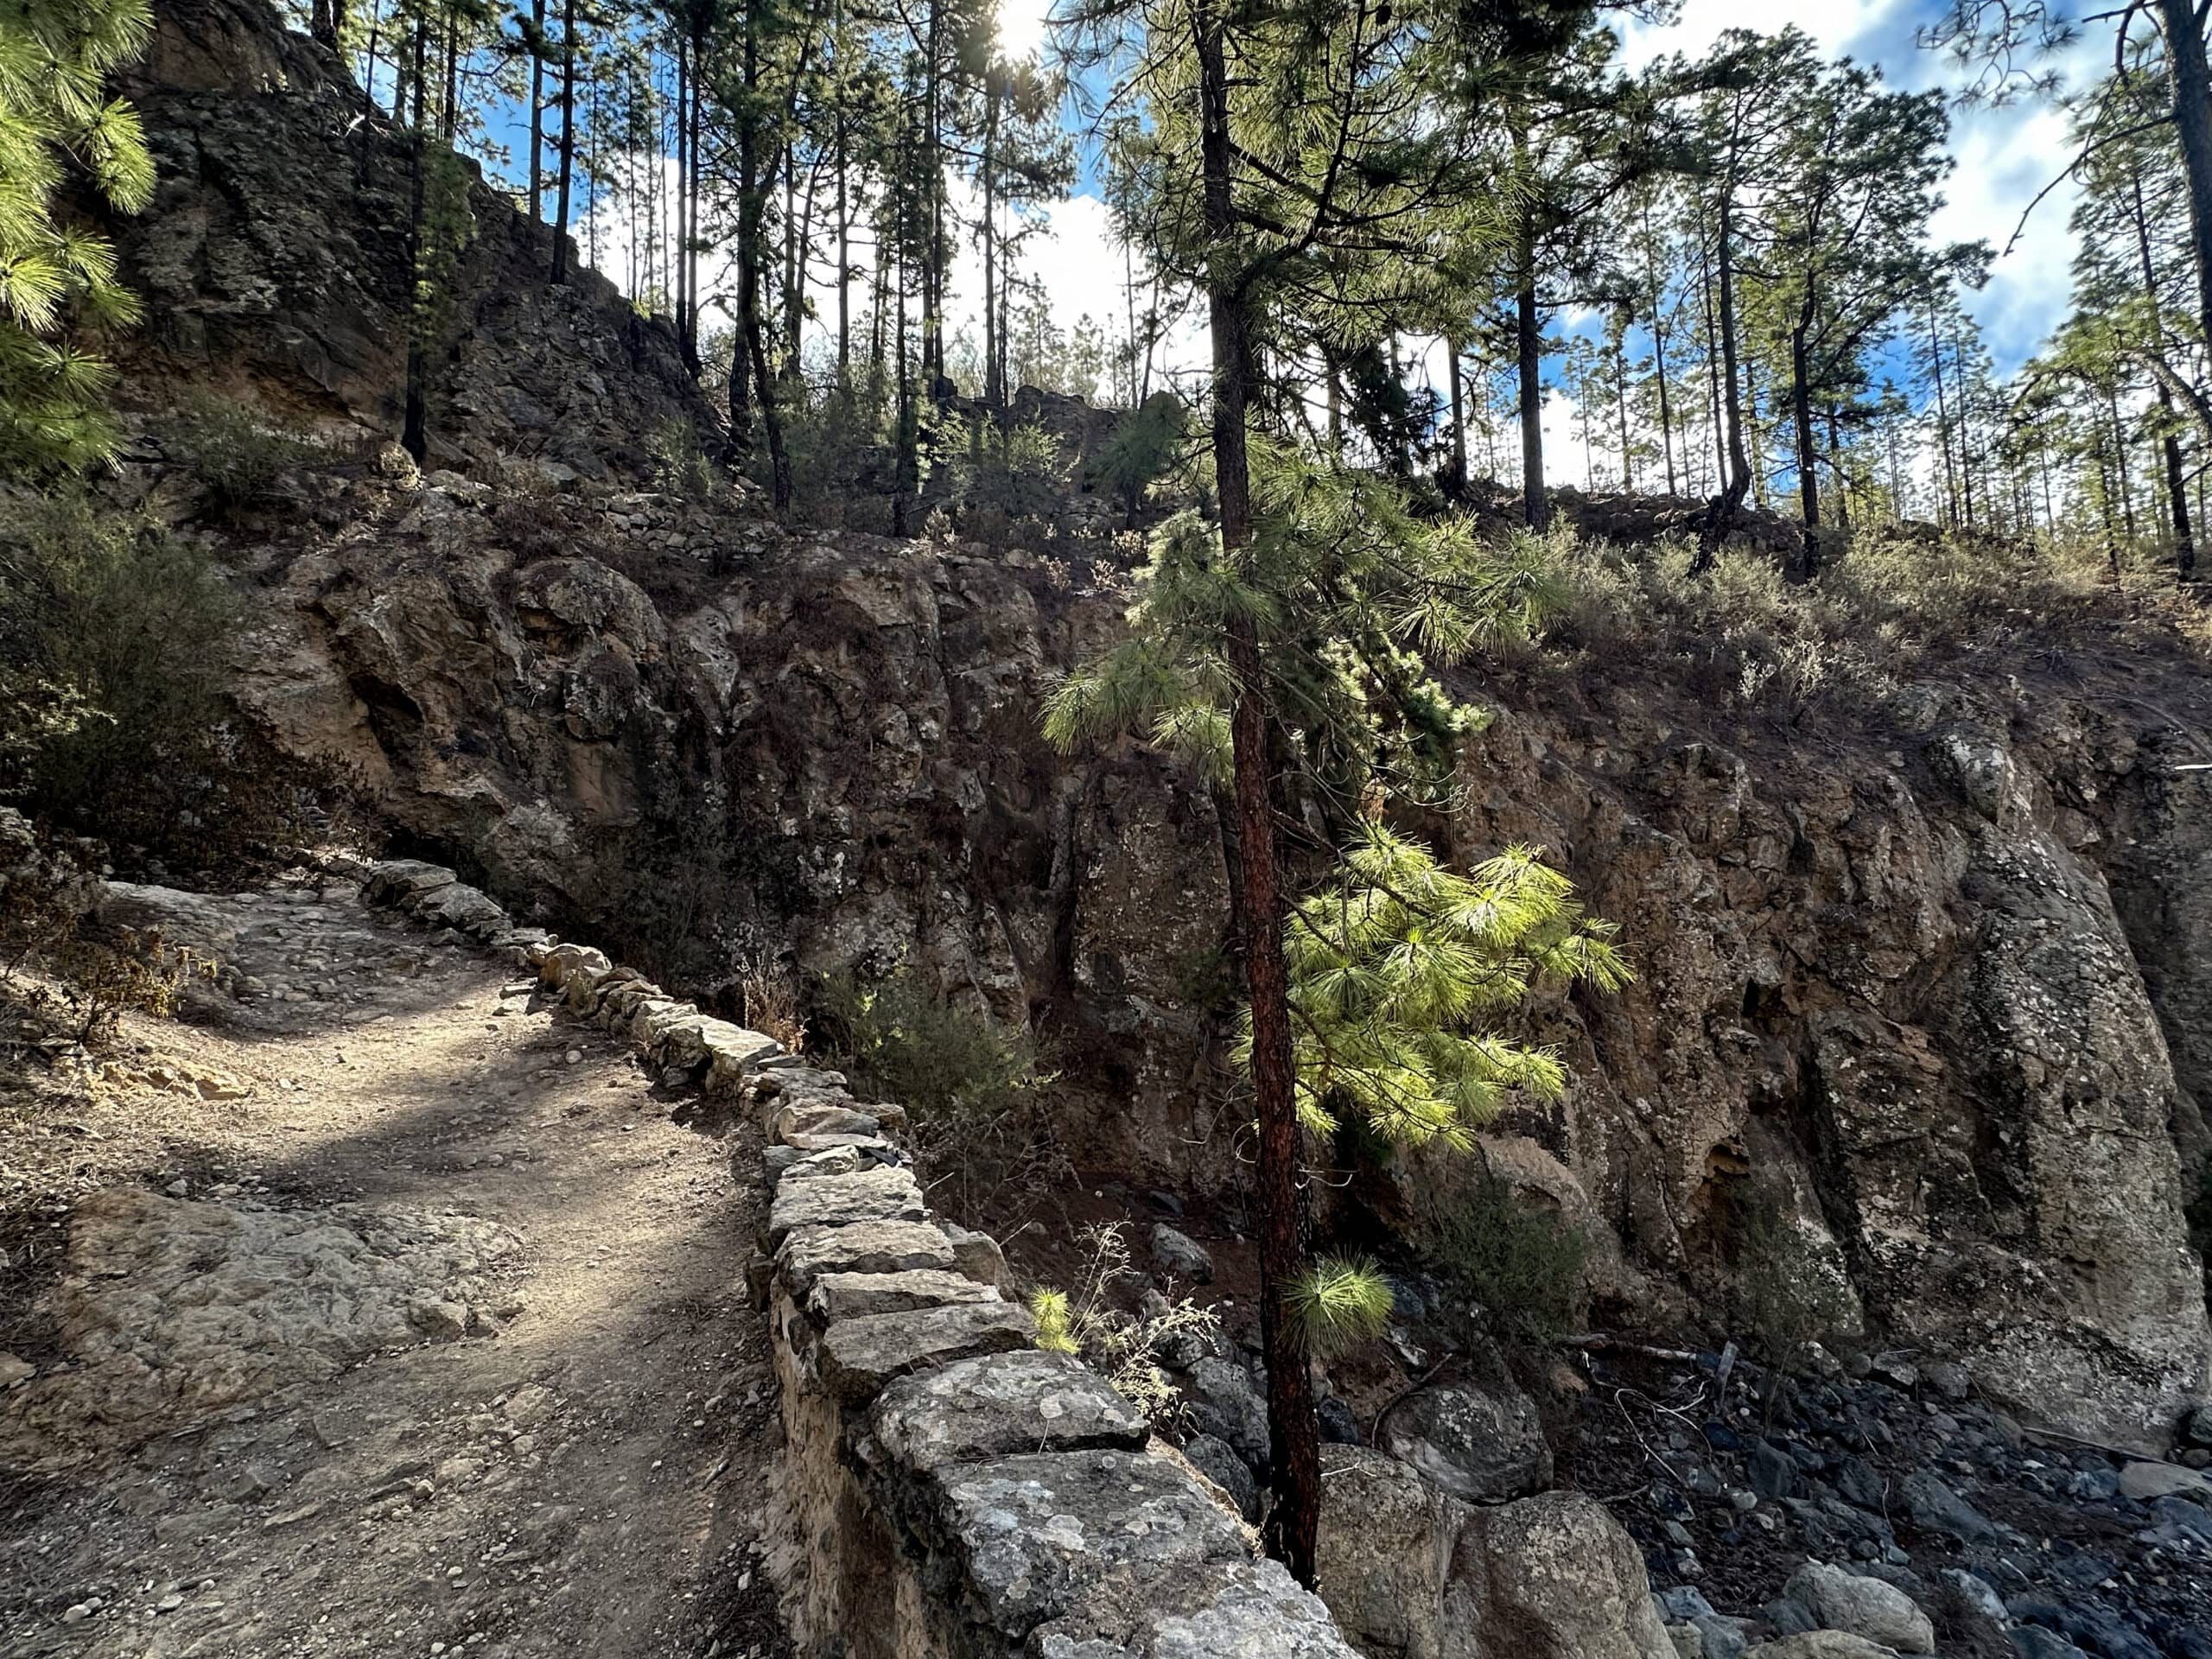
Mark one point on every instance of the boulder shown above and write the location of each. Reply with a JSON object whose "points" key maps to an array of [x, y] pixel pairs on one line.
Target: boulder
{"points": [[859, 1295], [1863, 1606], [1936, 1507], [1242, 1610], [2146, 1481], [1412, 1572], [1225, 1404], [997, 1406], [1479, 1442], [859, 1355], [978, 1254], [1034, 1532], [1180, 1255], [1820, 1644], [879, 1192], [866, 1247], [1219, 1464]]}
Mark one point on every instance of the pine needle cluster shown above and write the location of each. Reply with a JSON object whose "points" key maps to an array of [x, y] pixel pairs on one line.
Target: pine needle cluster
{"points": [[58, 281], [1400, 970], [1354, 598]]}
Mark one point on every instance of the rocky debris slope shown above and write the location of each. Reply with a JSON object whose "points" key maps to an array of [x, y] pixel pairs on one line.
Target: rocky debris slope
{"points": [[1893, 1473], [430, 1341]]}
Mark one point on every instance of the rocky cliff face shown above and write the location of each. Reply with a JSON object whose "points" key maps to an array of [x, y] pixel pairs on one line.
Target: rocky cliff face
{"points": [[273, 265], [1890, 989], [1924, 986]]}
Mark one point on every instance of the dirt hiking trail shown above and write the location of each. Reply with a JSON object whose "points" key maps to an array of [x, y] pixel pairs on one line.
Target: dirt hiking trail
{"points": [[373, 1309]]}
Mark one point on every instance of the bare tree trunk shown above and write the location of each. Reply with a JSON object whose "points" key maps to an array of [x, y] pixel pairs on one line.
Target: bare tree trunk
{"points": [[1293, 1521], [1659, 351], [2190, 79], [994, 367], [414, 432], [1835, 466], [1713, 361], [1808, 460], [1529, 343], [1721, 513], [682, 294], [2176, 486], [567, 138], [537, 111], [1458, 476]]}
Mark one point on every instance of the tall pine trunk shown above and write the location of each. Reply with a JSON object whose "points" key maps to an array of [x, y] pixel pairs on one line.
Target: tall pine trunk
{"points": [[2190, 79], [1459, 477], [751, 346], [1809, 459], [994, 348], [1659, 351], [2176, 485], [414, 432], [1720, 515], [537, 111], [1528, 346], [1293, 1520], [568, 139]]}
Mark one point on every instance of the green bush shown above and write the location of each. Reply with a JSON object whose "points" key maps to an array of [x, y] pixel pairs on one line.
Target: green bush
{"points": [[127, 625], [974, 1091], [237, 465], [1522, 1265], [1144, 446], [680, 467], [115, 717]]}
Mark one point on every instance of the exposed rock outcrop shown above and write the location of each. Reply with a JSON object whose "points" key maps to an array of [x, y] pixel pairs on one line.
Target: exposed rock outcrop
{"points": [[1413, 1573], [272, 264]]}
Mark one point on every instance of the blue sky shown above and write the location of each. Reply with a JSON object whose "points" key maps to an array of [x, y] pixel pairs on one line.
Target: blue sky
{"points": [[2003, 155]]}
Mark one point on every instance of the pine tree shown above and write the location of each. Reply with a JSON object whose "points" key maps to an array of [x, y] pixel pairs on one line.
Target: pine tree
{"points": [[57, 286], [1303, 659]]}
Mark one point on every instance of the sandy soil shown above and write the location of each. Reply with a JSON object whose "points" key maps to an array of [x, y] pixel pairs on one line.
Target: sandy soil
{"points": [[457, 1359]]}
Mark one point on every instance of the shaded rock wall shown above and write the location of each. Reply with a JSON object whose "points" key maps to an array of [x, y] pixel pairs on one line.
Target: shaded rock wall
{"points": [[1888, 991]]}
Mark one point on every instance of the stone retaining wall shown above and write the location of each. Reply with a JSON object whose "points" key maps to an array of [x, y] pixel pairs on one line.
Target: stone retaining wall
{"points": [[948, 1490]]}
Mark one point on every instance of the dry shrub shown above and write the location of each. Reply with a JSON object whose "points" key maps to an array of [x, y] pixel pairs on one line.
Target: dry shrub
{"points": [[1889, 608], [1115, 1343], [60, 968], [769, 1004]]}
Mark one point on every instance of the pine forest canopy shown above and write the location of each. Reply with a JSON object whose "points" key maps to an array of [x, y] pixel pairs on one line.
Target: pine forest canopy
{"points": [[1721, 268]]}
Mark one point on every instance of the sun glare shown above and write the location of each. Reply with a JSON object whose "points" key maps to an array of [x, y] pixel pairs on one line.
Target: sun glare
{"points": [[1021, 26]]}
